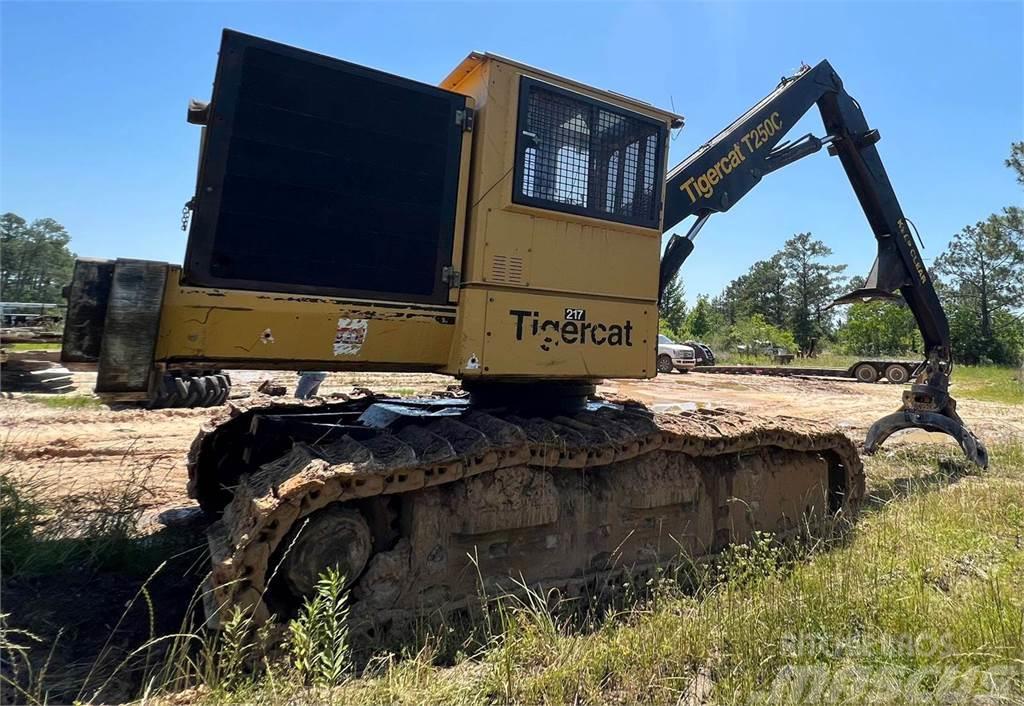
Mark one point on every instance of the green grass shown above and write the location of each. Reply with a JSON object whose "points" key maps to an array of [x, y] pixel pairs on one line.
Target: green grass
{"points": [[991, 383], [65, 401], [922, 600], [401, 391], [32, 346]]}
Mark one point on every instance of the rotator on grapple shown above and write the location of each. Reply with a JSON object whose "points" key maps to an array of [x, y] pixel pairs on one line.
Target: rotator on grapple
{"points": [[504, 229]]}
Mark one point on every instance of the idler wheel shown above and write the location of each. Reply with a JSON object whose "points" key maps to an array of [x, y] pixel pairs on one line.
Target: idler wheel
{"points": [[335, 536]]}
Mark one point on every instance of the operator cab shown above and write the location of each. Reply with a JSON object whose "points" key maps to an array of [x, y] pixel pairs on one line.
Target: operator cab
{"points": [[563, 236]]}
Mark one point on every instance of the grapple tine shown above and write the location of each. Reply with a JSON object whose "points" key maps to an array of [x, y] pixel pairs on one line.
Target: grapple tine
{"points": [[929, 421]]}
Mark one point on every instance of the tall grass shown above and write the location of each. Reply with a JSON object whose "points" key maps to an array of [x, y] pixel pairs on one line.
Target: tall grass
{"points": [[923, 599], [991, 383], [56, 542], [43, 531], [929, 583]]}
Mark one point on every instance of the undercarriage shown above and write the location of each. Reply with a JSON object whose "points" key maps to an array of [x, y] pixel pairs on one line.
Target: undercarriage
{"points": [[424, 503]]}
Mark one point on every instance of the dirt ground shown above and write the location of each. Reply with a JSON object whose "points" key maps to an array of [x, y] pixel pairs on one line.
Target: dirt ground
{"points": [[77, 450], [84, 451]]}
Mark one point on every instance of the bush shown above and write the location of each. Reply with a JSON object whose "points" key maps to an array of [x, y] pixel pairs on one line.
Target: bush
{"points": [[754, 331], [879, 328]]}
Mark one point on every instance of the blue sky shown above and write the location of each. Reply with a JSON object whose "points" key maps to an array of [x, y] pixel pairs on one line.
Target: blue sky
{"points": [[94, 94]]}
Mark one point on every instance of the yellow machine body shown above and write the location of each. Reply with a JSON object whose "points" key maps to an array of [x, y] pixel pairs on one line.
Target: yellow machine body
{"points": [[541, 293], [534, 293]]}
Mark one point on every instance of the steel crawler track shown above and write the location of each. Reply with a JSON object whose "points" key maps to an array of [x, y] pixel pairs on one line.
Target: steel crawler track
{"points": [[561, 500]]}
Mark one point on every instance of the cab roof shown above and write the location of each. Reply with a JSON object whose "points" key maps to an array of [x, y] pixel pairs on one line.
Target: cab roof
{"points": [[476, 58]]}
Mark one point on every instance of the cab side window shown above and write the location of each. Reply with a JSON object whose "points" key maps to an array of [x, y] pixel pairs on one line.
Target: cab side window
{"points": [[580, 155]]}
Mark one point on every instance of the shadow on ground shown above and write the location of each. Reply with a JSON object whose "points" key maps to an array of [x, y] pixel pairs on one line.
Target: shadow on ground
{"points": [[949, 471], [88, 619]]}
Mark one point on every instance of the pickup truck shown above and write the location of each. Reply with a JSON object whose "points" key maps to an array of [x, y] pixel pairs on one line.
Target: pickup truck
{"points": [[674, 356]]}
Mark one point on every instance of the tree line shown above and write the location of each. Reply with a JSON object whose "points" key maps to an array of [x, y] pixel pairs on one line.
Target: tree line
{"points": [[786, 298], [35, 261]]}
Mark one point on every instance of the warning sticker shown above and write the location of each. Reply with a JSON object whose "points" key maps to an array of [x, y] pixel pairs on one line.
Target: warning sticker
{"points": [[350, 336]]}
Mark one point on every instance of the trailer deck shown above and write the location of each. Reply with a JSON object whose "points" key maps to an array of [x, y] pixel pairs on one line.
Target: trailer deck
{"points": [[868, 370]]}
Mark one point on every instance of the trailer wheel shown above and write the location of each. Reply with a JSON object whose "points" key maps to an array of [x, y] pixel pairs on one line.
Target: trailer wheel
{"points": [[865, 372], [665, 363], [897, 374]]}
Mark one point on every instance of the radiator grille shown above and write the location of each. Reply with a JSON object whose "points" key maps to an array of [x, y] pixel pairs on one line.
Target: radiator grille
{"points": [[319, 180], [506, 269]]}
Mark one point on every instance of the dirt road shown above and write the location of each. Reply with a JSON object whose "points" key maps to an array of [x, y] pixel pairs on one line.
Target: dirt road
{"points": [[82, 450]]}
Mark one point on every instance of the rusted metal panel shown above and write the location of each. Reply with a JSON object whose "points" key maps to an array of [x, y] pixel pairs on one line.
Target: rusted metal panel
{"points": [[87, 297], [130, 328]]}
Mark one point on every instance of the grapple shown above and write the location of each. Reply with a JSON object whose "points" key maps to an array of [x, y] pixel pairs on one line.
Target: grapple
{"points": [[928, 405]]}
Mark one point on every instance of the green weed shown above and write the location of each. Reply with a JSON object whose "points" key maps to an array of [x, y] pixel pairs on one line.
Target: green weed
{"points": [[29, 346], [69, 402], [318, 643]]}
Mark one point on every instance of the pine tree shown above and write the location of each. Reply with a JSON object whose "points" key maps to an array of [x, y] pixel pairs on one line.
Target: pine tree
{"points": [[673, 309]]}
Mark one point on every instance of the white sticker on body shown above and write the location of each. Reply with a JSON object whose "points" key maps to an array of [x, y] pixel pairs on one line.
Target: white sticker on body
{"points": [[350, 336]]}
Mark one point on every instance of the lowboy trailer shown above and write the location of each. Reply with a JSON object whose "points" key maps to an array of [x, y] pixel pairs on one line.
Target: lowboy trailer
{"points": [[895, 371]]}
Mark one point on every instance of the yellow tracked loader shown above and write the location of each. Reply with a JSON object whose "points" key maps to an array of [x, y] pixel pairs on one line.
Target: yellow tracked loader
{"points": [[503, 228]]}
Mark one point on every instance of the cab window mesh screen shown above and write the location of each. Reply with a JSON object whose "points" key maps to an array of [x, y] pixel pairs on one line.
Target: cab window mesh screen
{"points": [[575, 154]]}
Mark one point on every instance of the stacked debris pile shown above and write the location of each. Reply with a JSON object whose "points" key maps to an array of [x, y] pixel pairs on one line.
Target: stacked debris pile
{"points": [[33, 371], [29, 334]]}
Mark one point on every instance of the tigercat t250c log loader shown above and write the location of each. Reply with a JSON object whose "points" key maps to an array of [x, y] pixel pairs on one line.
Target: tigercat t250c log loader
{"points": [[503, 228]]}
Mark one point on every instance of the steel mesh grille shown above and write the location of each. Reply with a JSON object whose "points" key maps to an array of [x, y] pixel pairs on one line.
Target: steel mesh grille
{"points": [[576, 155]]}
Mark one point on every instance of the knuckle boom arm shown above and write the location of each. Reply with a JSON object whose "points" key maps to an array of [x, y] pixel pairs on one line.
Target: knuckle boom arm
{"points": [[722, 171]]}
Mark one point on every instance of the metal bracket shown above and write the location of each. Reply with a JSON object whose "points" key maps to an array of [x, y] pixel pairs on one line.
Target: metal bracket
{"points": [[451, 276], [465, 118]]}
